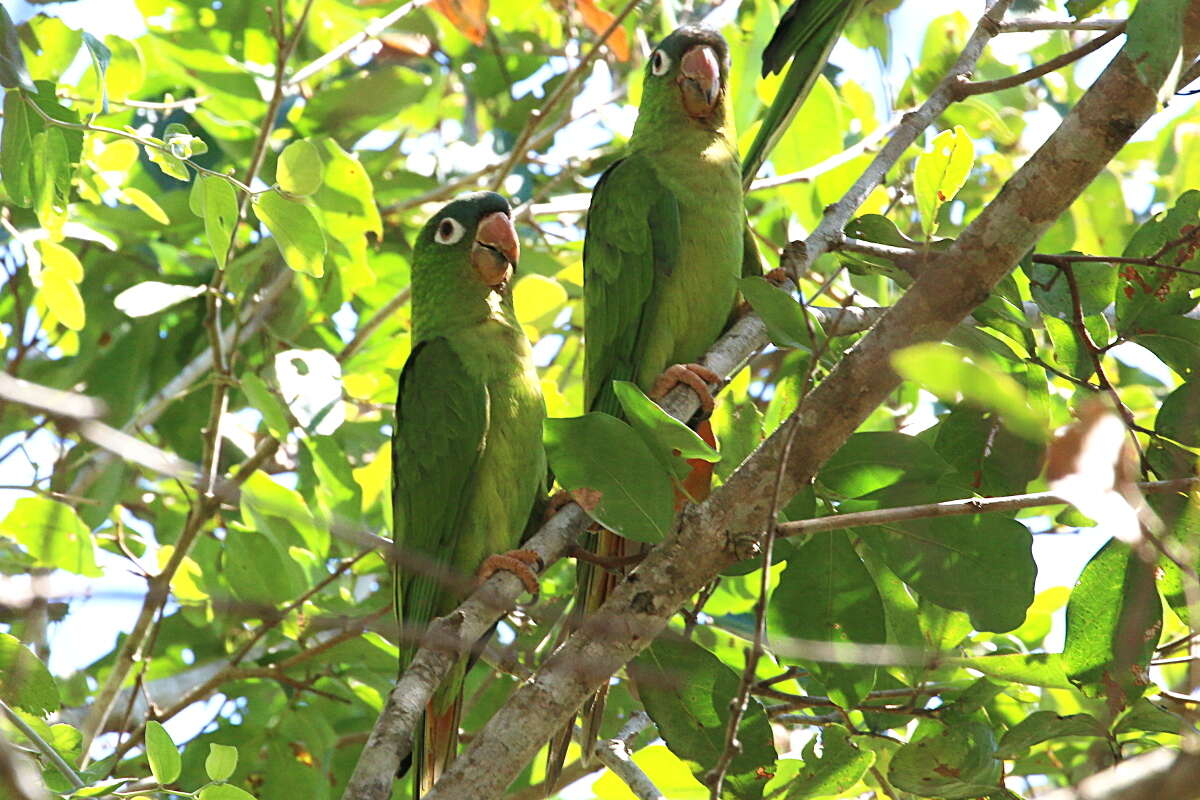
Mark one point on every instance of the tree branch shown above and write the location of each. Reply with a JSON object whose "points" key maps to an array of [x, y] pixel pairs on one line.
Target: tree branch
{"points": [[372, 30], [1031, 24], [952, 508], [1162, 774], [1056, 63], [706, 535]]}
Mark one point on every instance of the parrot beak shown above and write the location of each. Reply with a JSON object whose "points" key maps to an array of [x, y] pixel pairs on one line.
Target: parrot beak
{"points": [[699, 81], [496, 250]]}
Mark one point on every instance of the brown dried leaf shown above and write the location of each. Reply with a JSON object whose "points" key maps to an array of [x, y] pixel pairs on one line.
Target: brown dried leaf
{"points": [[597, 20], [469, 16]]}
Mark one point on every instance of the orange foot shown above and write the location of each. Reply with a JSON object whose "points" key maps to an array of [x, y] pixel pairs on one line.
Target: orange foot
{"points": [[696, 376], [519, 562], [556, 503]]}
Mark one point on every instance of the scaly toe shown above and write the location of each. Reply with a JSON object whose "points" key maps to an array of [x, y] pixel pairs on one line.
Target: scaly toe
{"points": [[697, 376], [518, 562]]}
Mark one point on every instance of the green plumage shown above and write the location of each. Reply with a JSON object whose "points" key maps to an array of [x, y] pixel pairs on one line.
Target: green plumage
{"points": [[806, 34], [664, 246], [661, 260], [468, 463]]}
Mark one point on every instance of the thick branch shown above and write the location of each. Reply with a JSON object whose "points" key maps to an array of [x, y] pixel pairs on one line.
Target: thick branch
{"points": [[1162, 774], [706, 538]]}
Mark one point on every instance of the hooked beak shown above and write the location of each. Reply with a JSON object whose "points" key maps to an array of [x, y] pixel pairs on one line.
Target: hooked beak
{"points": [[496, 251], [699, 81]]}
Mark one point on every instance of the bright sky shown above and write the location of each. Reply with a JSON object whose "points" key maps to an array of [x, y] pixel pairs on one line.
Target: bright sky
{"points": [[93, 624]]}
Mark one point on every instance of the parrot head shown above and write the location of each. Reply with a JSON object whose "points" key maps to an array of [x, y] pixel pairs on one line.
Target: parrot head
{"points": [[690, 67], [474, 231]]}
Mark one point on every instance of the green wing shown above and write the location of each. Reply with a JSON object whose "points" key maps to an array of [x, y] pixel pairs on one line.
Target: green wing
{"points": [[632, 244], [806, 34], [441, 430]]}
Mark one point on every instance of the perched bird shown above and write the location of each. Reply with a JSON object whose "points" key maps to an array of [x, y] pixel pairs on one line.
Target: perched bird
{"points": [[661, 261], [806, 34], [468, 464]]}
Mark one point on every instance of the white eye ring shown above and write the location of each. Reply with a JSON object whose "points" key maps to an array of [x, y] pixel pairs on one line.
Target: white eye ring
{"points": [[660, 62], [449, 231]]}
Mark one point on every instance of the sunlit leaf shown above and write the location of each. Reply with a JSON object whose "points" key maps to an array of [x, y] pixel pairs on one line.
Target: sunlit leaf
{"points": [[136, 197], [53, 534], [295, 230], [164, 758], [221, 762], [597, 453], [940, 173], [25, 683], [299, 169]]}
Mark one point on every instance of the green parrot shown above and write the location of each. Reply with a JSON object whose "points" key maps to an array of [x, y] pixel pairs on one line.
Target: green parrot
{"points": [[806, 34], [662, 257], [468, 465]]}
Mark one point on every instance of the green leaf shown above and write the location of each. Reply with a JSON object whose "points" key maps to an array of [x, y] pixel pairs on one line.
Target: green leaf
{"points": [[13, 72], [1082, 8], [994, 460], [1114, 617], [668, 439], [784, 317], [181, 143], [53, 534], [951, 561], [1176, 341], [267, 404], [296, 232], [1032, 669], [840, 766], [1051, 290], [346, 202], [25, 683], [299, 171], [167, 161], [601, 453], [940, 173], [826, 595], [164, 759], [949, 373], [224, 791], [16, 149], [690, 706], [1154, 38], [259, 572], [874, 460], [220, 212], [51, 179], [101, 57], [221, 762], [150, 297], [1147, 294], [1179, 416], [102, 789], [1042, 725], [957, 762]]}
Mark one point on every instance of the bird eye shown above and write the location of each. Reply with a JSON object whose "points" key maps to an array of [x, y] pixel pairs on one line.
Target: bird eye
{"points": [[449, 231], [660, 62]]}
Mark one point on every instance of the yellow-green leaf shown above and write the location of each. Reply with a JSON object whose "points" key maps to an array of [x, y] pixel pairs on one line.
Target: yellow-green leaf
{"points": [[220, 215], [296, 232], [164, 759], [940, 172], [300, 169], [145, 203]]}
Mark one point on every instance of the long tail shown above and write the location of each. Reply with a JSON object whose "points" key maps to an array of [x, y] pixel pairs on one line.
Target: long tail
{"points": [[594, 584], [437, 746]]}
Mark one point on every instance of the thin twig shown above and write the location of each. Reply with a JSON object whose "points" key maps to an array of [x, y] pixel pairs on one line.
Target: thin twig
{"points": [[954, 508], [1031, 24], [44, 747], [1033, 73], [565, 88], [371, 31]]}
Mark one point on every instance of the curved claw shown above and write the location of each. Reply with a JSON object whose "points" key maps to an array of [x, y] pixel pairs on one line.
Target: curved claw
{"points": [[696, 376], [521, 563]]}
